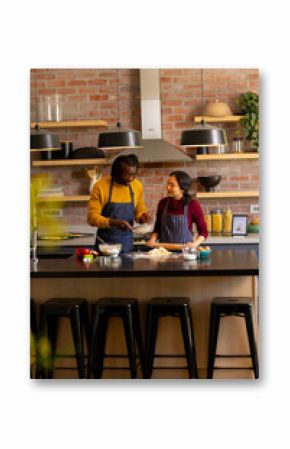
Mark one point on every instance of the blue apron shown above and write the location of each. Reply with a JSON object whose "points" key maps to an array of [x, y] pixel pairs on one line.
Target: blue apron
{"points": [[174, 228], [119, 211]]}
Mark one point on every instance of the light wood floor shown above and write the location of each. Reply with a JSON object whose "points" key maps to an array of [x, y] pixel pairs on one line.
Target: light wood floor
{"points": [[160, 374]]}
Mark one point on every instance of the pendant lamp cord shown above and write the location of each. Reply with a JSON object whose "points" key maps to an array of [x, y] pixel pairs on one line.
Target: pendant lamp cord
{"points": [[202, 96], [36, 105], [118, 103]]}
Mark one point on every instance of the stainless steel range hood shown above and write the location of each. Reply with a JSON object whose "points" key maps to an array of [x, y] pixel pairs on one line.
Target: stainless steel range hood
{"points": [[155, 148]]}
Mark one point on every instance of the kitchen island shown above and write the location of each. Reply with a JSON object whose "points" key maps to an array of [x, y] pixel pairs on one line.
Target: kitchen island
{"points": [[224, 273]]}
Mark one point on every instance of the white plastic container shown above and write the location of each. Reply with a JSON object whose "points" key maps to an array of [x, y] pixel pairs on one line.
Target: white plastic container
{"points": [[189, 253]]}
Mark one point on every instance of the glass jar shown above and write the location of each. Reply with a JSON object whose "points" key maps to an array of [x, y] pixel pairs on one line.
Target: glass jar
{"points": [[217, 222], [238, 145], [50, 108], [208, 220], [227, 222]]}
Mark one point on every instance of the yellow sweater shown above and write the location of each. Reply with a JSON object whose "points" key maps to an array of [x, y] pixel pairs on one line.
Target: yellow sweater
{"points": [[120, 194]]}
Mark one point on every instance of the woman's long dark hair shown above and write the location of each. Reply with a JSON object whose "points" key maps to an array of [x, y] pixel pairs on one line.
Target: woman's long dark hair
{"points": [[185, 182]]}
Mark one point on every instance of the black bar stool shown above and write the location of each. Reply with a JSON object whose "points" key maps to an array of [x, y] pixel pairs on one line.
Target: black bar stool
{"points": [[77, 312], [176, 307], [223, 307], [127, 309], [33, 339], [33, 320]]}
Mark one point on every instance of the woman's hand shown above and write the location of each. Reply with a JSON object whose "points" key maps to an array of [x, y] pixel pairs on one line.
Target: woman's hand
{"points": [[120, 224], [151, 242], [191, 245]]}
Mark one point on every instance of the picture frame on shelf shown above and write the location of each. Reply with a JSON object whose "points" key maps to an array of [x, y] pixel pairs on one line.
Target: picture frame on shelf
{"points": [[240, 225]]}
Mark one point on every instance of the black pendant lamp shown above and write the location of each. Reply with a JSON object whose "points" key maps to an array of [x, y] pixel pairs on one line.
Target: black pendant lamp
{"points": [[43, 141], [203, 135], [119, 138]]}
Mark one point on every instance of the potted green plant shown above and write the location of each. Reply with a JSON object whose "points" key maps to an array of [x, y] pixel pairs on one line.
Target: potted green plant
{"points": [[249, 105]]}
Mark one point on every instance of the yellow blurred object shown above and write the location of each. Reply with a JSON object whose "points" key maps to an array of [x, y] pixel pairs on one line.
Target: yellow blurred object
{"points": [[228, 221], [255, 220], [207, 219], [217, 220]]}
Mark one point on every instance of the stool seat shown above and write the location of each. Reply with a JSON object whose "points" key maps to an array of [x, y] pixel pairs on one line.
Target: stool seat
{"points": [[116, 302], [229, 306], [170, 302], [76, 310], [63, 306], [128, 310], [232, 300], [178, 307]]}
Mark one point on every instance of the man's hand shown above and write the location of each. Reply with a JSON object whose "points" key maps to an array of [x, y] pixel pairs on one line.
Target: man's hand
{"points": [[120, 224], [145, 218]]}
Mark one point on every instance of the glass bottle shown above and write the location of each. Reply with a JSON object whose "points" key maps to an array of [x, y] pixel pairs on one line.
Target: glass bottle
{"points": [[217, 222], [227, 222], [208, 220]]}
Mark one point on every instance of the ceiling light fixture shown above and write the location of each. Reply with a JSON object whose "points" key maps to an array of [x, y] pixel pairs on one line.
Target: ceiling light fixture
{"points": [[119, 138], [203, 135], [43, 141]]}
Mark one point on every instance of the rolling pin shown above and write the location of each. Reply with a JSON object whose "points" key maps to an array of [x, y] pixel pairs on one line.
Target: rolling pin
{"points": [[176, 246]]}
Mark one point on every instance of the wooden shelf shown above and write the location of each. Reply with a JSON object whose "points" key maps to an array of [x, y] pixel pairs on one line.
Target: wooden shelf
{"points": [[199, 195], [226, 156], [70, 162], [227, 194], [71, 124], [64, 199], [222, 119]]}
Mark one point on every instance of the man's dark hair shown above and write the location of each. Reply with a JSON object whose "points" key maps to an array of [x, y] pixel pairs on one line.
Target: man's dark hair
{"points": [[131, 160]]}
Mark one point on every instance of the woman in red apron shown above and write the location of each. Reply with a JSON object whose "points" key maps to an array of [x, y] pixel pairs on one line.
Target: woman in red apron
{"points": [[177, 212]]}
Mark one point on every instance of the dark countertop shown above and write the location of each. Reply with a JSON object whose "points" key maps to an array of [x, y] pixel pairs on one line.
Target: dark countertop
{"points": [[220, 263]]}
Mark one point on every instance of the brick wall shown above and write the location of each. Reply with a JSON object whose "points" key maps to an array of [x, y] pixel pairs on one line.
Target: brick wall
{"points": [[93, 94]]}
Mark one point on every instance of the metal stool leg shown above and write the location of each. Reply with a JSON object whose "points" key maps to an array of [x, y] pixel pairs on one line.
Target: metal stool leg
{"points": [[151, 342], [77, 331], [100, 346], [252, 343], [188, 340], [130, 341], [214, 328], [137, 329]]}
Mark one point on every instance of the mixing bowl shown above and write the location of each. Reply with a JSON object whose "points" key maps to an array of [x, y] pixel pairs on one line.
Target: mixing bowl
{"points": [[209, 182], [112, 249]]}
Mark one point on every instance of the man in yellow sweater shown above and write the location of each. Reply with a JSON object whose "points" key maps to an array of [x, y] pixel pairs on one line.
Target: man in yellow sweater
{"points": [[116, 201]]}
